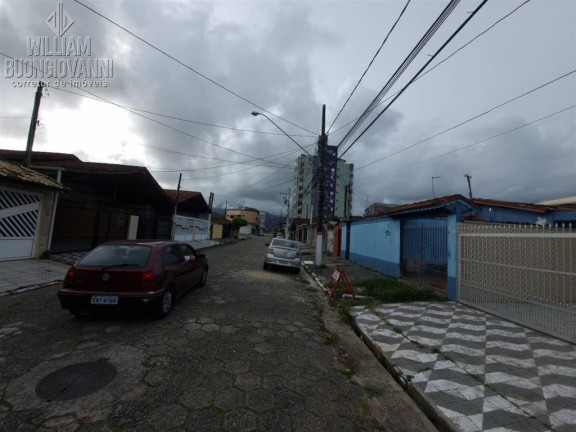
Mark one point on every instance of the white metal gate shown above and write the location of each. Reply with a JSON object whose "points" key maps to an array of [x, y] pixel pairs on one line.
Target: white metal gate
{"points": [[18, 224], [524, 274], [191, 229]]}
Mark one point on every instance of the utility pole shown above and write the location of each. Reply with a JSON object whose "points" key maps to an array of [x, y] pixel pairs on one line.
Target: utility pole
{"points": [[322, 143], [287, 203], [176, 206], [33, 124], [346, 198], [469, 177]]}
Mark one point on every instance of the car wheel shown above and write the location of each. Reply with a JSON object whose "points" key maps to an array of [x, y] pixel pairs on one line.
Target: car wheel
{"points": [[166, 304], [265, 266], [297, 270], [204, 278]]}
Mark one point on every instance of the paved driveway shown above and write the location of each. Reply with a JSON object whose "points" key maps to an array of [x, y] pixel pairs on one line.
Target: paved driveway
{"points": [[246, 352]]}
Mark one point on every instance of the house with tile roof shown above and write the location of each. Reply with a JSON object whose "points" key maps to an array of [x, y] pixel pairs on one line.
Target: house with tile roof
{"points": [[27, 208], [418, 241], [102, 201], [192, 216]]}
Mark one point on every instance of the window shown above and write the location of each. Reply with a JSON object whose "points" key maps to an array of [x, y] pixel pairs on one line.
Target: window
{"points": [[187, 249], [124, 255], [171, 255]]}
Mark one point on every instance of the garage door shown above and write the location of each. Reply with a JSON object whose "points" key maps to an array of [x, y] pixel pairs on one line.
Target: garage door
{"points": [[18, 224]]}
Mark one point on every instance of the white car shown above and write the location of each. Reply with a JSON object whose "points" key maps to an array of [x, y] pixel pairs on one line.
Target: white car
{"points": [[283, 253]]}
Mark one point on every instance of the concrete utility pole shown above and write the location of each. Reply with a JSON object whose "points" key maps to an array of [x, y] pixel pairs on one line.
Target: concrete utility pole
{"points": [[347, 201], [469, 177], [33, 124], [176, 206], [322, 143], [287, 203]]}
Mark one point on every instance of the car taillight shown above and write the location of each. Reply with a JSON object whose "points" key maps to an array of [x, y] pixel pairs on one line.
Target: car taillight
{"points": [[271, 251], [70, 273], [147, 277], [298, 255]]}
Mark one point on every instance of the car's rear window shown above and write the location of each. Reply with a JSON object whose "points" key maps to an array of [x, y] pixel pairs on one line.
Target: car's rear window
{"points": [[284, 243], [117, 255]]}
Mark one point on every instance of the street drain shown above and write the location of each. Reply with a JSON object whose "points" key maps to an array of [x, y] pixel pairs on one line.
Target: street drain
{"points": [[75, 380]]}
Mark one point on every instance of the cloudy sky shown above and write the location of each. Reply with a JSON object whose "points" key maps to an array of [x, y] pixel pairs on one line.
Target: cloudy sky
{"points": [[186, 75]]}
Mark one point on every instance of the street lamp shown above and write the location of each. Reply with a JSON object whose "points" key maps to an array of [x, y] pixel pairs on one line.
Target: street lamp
{"points": [[256, 113], [322, 143]]}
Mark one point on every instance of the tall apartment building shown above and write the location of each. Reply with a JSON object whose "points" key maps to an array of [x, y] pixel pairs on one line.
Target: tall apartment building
{"points": [[338, 182]]}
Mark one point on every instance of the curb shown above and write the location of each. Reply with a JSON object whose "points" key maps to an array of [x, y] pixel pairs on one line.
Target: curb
{"points": [[315, 277], [430, 410], [24, 289]]}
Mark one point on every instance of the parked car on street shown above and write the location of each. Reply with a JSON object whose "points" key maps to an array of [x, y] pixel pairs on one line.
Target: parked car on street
{"points": [[283, 253], [133, 275]]}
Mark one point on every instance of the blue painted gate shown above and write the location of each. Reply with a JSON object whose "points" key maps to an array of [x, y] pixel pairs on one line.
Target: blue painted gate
{"points": [[424, 253]]}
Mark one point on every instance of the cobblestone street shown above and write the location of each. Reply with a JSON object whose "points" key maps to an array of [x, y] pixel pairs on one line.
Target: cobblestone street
{"points": [[246, 352]]}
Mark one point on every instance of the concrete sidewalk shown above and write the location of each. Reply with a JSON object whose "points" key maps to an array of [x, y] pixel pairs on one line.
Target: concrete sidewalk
{"points": [[24, 275], [468, 370]]}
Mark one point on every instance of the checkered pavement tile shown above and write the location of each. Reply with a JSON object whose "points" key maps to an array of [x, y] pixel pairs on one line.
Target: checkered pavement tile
{"points": [[481, 372]]}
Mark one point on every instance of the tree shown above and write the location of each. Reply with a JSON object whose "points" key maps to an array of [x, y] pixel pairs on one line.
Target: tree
{"points": [[238, 222]]}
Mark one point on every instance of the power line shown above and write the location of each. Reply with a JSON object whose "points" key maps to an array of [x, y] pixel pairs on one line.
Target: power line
{"points": [[280, 156], [401, 69], [259, 183], [97, 98], [101, 99], [246, 188], [472, 40], [369, 65], [445, 59], [468, 120], [479, 142], [175, 129], [244, 169], [196, 155], [217, 126], [189, 67], [472, 14]]}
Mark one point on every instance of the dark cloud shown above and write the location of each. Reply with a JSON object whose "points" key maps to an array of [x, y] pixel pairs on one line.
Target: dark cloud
{"points": [[290, 61]]}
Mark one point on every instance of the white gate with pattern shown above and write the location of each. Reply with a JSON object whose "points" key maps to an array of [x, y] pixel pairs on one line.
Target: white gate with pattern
{"points": [[525, 274], [191, 229], [18, 224]]}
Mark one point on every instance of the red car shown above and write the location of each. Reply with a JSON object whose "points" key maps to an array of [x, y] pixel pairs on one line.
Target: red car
{"points": [[133, 275]]}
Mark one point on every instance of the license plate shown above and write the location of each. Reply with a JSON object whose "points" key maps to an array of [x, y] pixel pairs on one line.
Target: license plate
{"points": [[104, 300]]}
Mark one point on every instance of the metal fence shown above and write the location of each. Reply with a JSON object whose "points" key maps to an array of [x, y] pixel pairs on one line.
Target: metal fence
{"points": [[526, 274]]}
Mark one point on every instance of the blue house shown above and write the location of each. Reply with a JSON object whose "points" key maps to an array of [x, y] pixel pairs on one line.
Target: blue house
{"points": [[418, 242]]}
